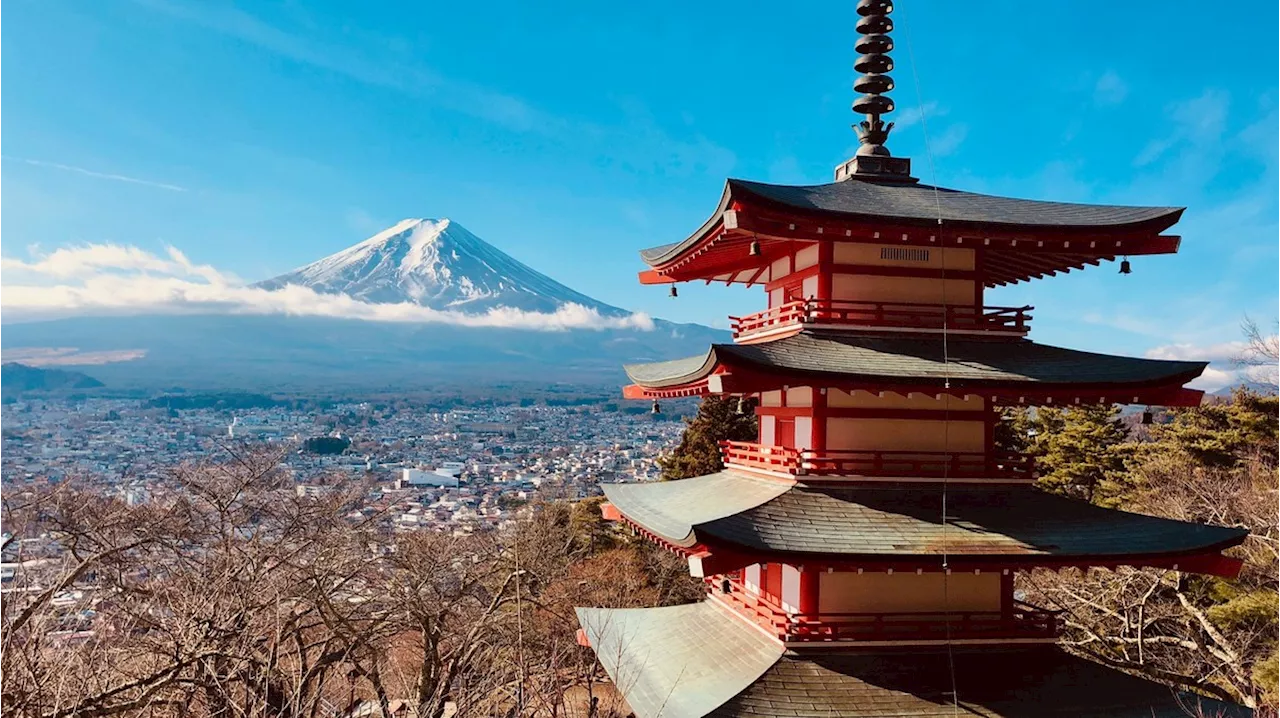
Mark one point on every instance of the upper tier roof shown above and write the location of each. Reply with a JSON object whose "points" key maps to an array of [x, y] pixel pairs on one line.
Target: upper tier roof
{"points": [[918, 359], [862, 200], [699, 660], [1017, 524]]}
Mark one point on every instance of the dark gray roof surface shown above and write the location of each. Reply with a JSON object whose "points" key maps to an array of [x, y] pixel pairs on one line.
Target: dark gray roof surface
{"points": [[924, 202], [857, 199], [987, 521], [871, 521], [677, 661], [1013, 682], [971, 362], [681, 505]]}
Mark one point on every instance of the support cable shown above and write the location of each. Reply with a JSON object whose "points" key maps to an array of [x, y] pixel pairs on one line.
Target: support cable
{"points": [[946, 380]]}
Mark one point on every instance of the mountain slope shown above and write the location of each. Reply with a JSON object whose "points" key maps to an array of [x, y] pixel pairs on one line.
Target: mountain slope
{"points": [[20, 377], [437, 264]]}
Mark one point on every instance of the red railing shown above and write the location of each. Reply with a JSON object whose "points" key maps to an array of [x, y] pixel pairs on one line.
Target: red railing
{"points": [[761, 456], [903, 464], [885, 314], [1021, 621]]}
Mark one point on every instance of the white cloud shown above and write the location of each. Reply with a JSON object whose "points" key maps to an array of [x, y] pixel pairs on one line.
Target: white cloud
{"points": [[1197, 122], [1222, 352], [1224, 369], [98, 175], [909, 116], [110, 279], [1110, 89]]}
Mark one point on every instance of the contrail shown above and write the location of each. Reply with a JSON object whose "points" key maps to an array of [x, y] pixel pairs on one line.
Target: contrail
{"points": [[98, 175]]}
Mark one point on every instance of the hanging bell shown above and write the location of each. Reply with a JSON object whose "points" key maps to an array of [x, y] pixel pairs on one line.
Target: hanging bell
{"points": [[1125, 268], [754, 249], [674, 293], [742, 405], [1147, 417], [656, 409]]}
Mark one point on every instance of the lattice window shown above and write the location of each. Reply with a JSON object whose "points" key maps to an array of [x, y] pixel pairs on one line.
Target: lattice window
{"points": [[904, 254]]}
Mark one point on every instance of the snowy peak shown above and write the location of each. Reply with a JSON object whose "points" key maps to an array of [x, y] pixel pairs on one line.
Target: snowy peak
{"points": [[439, 264]]}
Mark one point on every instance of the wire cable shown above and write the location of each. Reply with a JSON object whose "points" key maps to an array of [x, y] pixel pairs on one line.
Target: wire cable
{"points": [[946, 380]]}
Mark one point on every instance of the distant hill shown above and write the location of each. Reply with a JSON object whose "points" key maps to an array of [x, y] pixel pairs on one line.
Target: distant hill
{"points": [[1253, 386], [20, 377]]}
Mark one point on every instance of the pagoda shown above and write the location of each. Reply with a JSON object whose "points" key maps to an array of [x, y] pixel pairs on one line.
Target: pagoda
{"points": [[860, 555]]}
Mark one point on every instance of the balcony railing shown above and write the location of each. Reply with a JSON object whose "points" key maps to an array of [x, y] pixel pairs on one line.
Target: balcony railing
{"points": [[1022, 621], [904, 464], [1009, 320]]}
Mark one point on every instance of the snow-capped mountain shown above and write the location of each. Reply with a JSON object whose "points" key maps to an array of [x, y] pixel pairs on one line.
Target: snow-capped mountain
{"points": [[433, 263], [438, 264]]}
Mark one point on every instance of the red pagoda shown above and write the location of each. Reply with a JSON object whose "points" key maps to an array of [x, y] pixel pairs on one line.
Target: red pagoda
{"points": [[860, 555]]}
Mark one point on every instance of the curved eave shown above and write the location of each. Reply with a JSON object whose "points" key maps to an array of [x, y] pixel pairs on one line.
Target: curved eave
{"points": [[1016, 372], [1103, 220], [700, 660], [735, 520]]}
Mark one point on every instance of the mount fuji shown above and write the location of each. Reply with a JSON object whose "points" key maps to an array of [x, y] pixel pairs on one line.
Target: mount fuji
{"points": [[436, 264], [439, 288]]}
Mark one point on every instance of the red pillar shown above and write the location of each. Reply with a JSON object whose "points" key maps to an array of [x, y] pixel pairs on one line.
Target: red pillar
{"points": [[819, 438], [809, 578], [826, 258], [1006, 594]]}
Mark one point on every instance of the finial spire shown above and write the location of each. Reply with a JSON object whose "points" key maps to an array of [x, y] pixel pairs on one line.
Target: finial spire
{"points": [[874, 63], [873, 160]]}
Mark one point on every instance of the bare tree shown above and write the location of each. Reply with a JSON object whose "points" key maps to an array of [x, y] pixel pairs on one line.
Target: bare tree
{"points": [[1261, 355]]}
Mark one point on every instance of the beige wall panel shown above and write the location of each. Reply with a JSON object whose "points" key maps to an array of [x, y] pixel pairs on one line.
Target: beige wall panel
{"points": [[807, 257], [907, 592], [800, 396], [904, 435], [906, 290], [868, 400], [857, 253]]}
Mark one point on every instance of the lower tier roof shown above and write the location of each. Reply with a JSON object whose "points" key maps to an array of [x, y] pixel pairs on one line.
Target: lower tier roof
{"points": [[701, 660], [918, 359], [1018, 524]]}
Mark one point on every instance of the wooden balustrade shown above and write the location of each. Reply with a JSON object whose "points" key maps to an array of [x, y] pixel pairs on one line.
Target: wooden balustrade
{"points": [[899, 315], [1021, 621], [905, 464]]}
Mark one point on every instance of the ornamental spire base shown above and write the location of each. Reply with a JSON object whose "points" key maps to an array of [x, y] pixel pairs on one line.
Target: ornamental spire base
{"points": [[879, 168]]}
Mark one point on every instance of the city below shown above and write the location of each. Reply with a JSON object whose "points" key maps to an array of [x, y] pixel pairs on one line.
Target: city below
{"points": [[420, 467]]}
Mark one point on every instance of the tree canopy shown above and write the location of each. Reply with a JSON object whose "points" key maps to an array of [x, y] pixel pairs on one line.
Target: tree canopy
{"points": [[698, 453]]}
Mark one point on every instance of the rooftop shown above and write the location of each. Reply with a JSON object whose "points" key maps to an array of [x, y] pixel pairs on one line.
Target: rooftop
{"points": [[895, 202], [1018, 524], [919, 359], [700, 660]]}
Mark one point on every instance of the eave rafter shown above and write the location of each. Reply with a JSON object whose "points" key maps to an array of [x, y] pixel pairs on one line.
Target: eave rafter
{"points": [[1010, 254], [746, 382], [715, 557]]}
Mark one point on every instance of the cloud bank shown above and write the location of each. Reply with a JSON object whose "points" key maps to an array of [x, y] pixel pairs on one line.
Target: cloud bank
{"points": [[1224, 369], [111, 279]]}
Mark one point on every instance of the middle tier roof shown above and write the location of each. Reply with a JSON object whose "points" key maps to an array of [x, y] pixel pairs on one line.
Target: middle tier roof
{"points": [[891, 361], [731, 512]]}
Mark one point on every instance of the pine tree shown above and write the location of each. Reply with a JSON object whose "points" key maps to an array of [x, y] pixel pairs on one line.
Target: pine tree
{"points": [[1224, 434], [1082, 452], [698, 453]]}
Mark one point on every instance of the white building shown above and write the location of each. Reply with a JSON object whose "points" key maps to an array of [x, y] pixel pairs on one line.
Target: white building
{"points": [[418, 477]]}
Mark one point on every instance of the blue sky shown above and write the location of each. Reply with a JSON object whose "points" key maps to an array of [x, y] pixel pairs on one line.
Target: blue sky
{"points": [[258, 137]]}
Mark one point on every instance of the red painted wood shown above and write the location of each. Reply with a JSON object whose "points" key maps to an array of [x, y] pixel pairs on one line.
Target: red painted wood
{"points": [[809, 581], [891, 315]]}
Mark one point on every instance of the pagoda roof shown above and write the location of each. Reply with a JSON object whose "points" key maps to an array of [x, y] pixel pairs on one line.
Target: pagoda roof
{"points": [[1005, 525], [919, 359], [702, 660], [904, 203]]}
